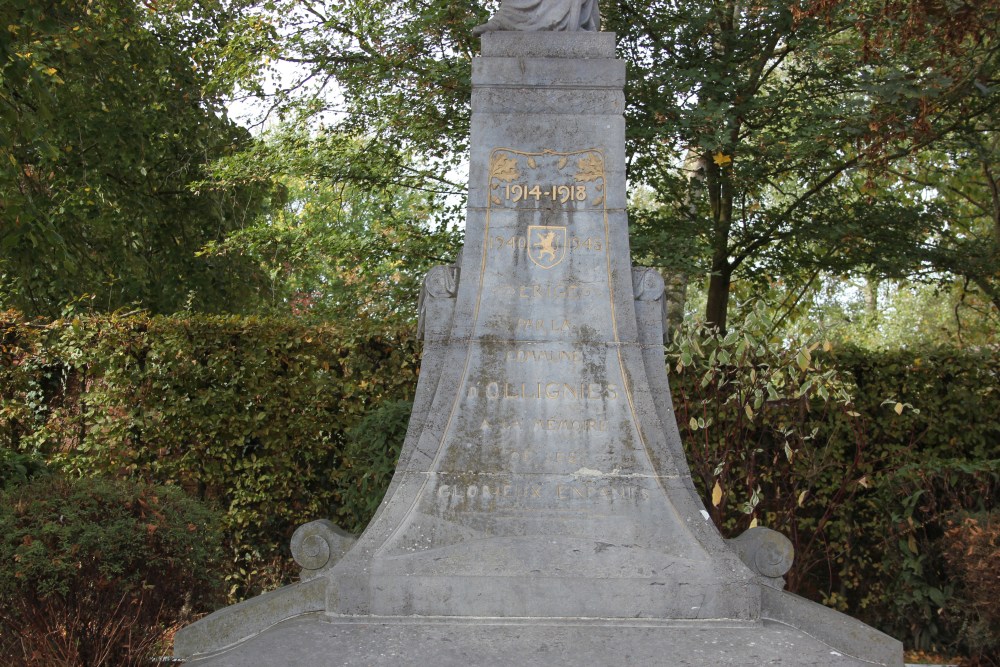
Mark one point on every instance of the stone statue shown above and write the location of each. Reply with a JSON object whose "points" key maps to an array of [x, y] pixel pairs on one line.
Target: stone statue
{"points": [[533, 15]]}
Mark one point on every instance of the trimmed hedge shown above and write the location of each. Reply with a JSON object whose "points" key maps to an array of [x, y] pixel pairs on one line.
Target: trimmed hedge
{"points": [[874, 484], [936, 462], [251, 414], [281, 423]]}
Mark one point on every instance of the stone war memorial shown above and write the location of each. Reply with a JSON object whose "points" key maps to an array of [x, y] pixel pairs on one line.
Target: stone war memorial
{"points": [[542, 512]]}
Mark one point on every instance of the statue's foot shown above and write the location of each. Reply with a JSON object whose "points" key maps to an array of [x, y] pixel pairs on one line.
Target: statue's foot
{"points": [[490, 26]]}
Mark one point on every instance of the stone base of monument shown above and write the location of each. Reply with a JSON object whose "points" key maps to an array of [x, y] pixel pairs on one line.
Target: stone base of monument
{"points": [[318, 640], [314, 641], [542, 511]]}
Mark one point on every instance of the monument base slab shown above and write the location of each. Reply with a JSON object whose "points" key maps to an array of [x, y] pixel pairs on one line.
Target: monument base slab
{"points": [[318, 640]]}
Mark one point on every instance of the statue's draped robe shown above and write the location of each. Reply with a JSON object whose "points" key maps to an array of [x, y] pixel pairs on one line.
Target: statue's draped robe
{"points": [[546, 15]]}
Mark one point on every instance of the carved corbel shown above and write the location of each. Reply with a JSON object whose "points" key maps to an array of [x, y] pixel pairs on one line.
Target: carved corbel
{"points": [[767, 552], [318, 545], [441, 282], [648, 285]]}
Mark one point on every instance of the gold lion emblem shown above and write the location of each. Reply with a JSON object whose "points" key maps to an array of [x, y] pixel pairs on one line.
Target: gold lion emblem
{"points": [[548, 245]]}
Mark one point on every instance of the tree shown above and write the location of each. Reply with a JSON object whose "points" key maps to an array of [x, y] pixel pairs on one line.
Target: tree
{"points": [[341, 242], [104, 126], [764, 127], [397, 74], [760, 128]]}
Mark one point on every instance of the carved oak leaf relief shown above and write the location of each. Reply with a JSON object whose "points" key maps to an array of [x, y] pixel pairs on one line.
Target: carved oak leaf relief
{"points": [[590, 168], [504, 168]]}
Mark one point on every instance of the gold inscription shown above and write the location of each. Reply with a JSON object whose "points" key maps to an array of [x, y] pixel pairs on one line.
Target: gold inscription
{"points": [[529, 356], [573, 425], [545, 390], [607, 492], [515, 192], [545, 326], [589, 243]]}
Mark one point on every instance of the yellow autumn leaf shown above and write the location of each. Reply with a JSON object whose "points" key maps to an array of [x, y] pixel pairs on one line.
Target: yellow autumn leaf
{"points": [[721, 159], [50, 70], [753, 522], [898, 408], [716, 494], [802, 497], [748, 410], [827, 346]]}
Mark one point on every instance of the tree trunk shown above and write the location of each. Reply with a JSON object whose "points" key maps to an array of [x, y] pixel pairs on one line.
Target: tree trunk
{"points": [[718, 296], [720, 193], [870, 291]]}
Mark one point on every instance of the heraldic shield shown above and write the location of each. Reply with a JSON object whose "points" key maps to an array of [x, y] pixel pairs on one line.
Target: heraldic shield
{"points": [[546, 245]]}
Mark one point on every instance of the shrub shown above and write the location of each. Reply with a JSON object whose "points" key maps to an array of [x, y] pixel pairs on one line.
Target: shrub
{"points": [[753, 411], [281, 423], [19, 468], [933, 463], [93, 572], [370, 458], [972, 550]]}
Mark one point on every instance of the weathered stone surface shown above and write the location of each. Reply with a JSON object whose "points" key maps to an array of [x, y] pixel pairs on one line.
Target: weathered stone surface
{"points": [[318, 545], [319, 641], [576, 46], [231, 625], [542, 511], [766, 552]]}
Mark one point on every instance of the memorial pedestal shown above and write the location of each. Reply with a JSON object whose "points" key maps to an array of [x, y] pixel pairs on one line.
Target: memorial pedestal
{"points": [[542, 511]]}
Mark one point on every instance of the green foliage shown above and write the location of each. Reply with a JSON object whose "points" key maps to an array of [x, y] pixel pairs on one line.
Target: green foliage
{"points": [[866, 489], [104, 126], [93, 571], [281, 423], [887, 315], [763, 148], [371, 453], [754, 411], [938, 463], [19, 468], [972, 551], [345, 242], [249, 413]]}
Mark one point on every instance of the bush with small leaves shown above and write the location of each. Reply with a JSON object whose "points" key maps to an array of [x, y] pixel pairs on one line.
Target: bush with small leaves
{"points": [[96, 572]]}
